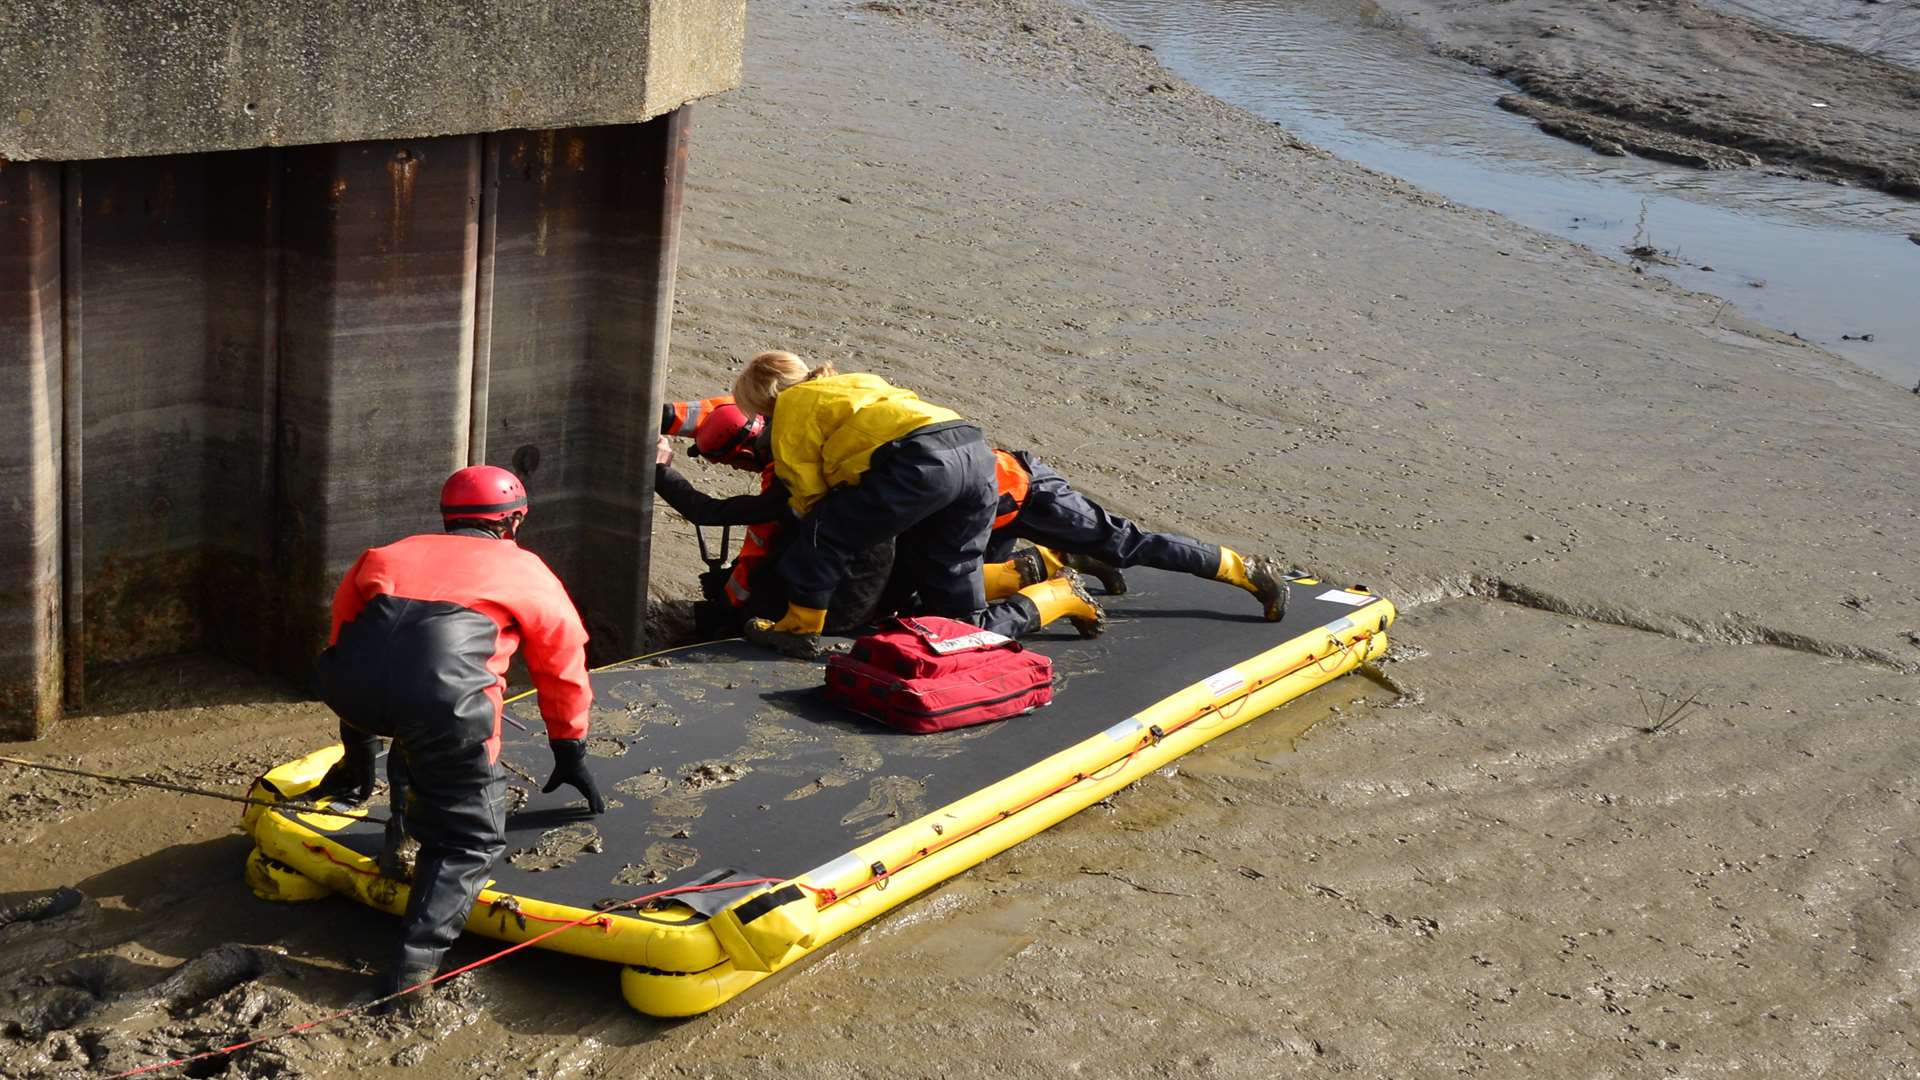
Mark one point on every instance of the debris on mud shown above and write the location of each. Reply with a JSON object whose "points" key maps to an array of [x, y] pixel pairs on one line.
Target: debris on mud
{"points": [[559, 847], [709, 774], [660, 862]]}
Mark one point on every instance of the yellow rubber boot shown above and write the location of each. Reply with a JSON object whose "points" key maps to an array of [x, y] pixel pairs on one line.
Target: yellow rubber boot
{"points": [[797, 633], [1034, 565], [1260, 576], [1003, 579], [1052, 560], [1065, 596]]}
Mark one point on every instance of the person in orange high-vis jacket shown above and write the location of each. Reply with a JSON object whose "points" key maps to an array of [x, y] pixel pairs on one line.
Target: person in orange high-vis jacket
{"points": [[423, 630], [723, 434], [1038, 505]]}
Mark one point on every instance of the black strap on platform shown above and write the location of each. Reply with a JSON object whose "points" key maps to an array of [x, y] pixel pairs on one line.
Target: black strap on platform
{"points": [[765, 902]]}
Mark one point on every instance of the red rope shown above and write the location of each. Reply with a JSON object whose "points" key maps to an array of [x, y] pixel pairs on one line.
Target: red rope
{"points": [[825, 897], [482, 962], [321, 850]]}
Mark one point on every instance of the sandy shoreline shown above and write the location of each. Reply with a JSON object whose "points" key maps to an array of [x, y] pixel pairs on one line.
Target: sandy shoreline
{"points": [[1682, 82], [1587, 489]]}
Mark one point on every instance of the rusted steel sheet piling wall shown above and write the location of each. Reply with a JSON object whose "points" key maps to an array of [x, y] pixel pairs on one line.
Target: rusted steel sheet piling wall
{"points": [[30, 610], [376, 353], [248, 296], [279, 371]]}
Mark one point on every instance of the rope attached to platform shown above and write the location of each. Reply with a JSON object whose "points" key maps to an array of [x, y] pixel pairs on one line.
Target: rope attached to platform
{"points": [[134, 781]]}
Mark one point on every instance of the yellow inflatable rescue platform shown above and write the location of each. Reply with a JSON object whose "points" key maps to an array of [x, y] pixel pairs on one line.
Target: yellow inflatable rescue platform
{"points": [[750, 822]]}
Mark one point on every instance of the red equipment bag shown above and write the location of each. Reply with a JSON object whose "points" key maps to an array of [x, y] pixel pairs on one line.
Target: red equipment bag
{"points": [[931, 674]]}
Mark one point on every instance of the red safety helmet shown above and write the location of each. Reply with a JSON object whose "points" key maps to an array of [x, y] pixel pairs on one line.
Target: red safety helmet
{"points": [[485, 492], [727, 435]]}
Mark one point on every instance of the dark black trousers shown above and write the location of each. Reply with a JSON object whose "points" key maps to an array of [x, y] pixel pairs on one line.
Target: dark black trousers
{"points": [[1061, 518], [934, 493], [454, 804], [856, 603]]}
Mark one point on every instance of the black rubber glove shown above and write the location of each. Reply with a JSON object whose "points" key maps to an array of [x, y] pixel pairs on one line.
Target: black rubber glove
{"points": [[570, 767], [351, 778]]}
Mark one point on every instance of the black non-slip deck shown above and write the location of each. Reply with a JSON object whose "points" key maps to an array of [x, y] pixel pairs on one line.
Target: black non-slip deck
{"points": [[723, 757]]}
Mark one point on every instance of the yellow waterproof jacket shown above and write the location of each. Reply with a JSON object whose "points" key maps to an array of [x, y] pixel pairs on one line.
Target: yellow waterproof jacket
{"points": [[826, 430]]}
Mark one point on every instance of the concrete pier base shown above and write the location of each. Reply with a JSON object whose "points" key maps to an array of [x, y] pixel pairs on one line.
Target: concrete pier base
{"points": [[270, 270], [281, 360]]}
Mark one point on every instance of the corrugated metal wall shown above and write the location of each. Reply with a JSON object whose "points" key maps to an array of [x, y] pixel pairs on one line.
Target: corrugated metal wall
{"points": [[274, 357]]}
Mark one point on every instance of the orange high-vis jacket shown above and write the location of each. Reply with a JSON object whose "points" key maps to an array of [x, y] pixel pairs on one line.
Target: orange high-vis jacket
{"points": [[1013, 481], [683, 417]]}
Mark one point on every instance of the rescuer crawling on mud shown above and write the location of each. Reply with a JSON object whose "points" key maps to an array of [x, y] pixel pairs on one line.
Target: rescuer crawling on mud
{"points": [[751, 586], [863, 461], [422, 633]]}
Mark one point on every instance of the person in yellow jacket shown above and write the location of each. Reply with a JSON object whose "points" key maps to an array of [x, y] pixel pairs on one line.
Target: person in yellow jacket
{"points": [[864, 461]]}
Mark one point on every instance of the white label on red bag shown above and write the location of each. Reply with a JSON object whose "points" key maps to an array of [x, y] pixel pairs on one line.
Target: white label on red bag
{"points": [[1342, 596], [979, 639], [1225, 682]]}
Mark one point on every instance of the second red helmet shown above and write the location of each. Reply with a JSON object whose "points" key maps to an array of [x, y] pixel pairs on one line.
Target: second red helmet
{"points": [[485, 492], [727, 435]]}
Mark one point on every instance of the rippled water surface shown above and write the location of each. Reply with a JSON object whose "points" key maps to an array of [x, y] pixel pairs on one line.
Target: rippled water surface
{"points": [[1830, 263]]}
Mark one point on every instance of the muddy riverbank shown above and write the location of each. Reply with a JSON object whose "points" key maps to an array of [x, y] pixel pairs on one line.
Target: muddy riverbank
{"points": [[1683, 82], [1596, 496]]}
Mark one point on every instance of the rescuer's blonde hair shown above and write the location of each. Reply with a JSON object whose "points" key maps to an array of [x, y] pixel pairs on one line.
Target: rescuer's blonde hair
{"points": [[769, 373]]}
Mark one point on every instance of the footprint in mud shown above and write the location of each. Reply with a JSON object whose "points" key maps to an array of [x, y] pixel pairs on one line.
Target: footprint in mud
{"points": [[765, 732], [660, 862], [890, 802], [623, 723], [559, 847], [605, 747], [679, 804], [645, 786]]}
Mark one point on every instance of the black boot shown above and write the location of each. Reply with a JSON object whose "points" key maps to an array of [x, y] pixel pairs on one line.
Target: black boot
{"points": [[400, 978]]}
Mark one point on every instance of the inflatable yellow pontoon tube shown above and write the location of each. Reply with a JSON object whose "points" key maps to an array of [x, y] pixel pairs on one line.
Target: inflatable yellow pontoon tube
{"points": [[678, 962]]}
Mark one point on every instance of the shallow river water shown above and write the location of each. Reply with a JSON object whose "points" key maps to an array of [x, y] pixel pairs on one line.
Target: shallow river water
{"points": [[1832, 264]]}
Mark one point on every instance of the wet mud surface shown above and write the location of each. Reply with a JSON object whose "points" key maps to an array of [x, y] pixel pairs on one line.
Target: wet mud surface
{"points": [[1589, 495], [1689, 83]]}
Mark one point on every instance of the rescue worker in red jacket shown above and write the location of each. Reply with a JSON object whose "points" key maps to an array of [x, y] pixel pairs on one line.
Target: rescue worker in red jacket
{"points": [[423, 630]]}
